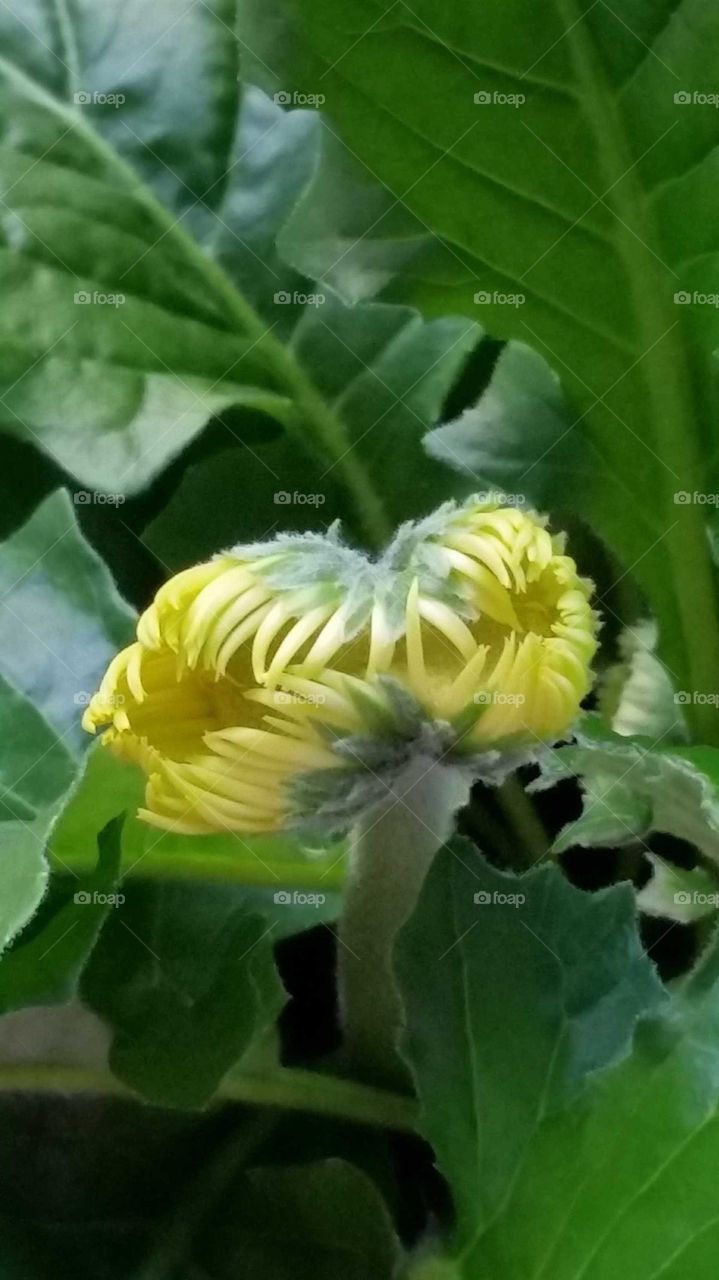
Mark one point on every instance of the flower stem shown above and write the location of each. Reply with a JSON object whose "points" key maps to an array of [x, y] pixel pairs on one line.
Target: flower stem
{"points": [[285, 1087], [173, 1244], [306, 874], [330, 434], [524, 821], [391, 851]]}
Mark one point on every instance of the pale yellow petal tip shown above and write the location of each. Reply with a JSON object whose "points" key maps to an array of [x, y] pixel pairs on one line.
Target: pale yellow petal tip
{"points": [[89, 721], [523, 587]]}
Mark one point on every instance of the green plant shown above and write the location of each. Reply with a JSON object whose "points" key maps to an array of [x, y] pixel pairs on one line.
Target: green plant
{"points": [[265, 268]]}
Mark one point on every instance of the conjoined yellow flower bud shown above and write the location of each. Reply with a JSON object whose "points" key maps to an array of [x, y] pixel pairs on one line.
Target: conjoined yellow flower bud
{"points": [[299, 668]]}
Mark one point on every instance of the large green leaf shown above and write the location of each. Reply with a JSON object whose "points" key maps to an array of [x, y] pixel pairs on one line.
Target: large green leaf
{"points": [[385, 373], [185, 977], [35, 771], [110, 310], [44, 966], [23, 872], [273, 160], [139, 339], [515, 990], [557, 156], [309, 1222], [281, 491], [492, 441], [347, 232], [35, 766], [174, 68], [136, 306], [612, 1181], [61, 618]]}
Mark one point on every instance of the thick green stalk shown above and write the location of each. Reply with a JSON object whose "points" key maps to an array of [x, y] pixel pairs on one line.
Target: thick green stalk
{"points": [[305, 874], [524, 823], [285, 1088], [391, 851]]}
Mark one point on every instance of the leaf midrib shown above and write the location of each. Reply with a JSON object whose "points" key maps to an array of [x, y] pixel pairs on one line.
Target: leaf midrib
{"points": [[132, 184], [671, 417], [594, 1174], [318, 428], [485, 64], [560, 1035], [639, 1192], [70, 46], [567, 220]]}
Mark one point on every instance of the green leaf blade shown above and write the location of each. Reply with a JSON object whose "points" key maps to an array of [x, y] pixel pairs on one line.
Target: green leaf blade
{"points": [[540, 992], [185, 977], [549, 195]]}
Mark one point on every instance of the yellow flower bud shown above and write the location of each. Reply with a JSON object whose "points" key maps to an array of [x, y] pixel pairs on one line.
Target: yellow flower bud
{"points": [[518, 643], [278, 662]]}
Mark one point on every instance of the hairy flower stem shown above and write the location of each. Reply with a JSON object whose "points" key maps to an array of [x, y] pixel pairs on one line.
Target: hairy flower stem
{"points": [[530, 840], [391, 851]]}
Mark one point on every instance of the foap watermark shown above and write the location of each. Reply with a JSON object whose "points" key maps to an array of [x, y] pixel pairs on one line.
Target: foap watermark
{"points": [[696, 98], [493, 98], [85, 298], [285, 298], [685, 898], [283, 698], [93, 498], [501, 498], [496, 698], [497, 899], [694, 698], [284, 98], [83, 699], [294, 898], [495, 298], [283, 498], [85, 899], [92, 98], [683, 298], [682, 498]]}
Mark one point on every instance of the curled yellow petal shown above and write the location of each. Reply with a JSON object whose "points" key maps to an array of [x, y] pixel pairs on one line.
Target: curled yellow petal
{"points": [[251, 671]]}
